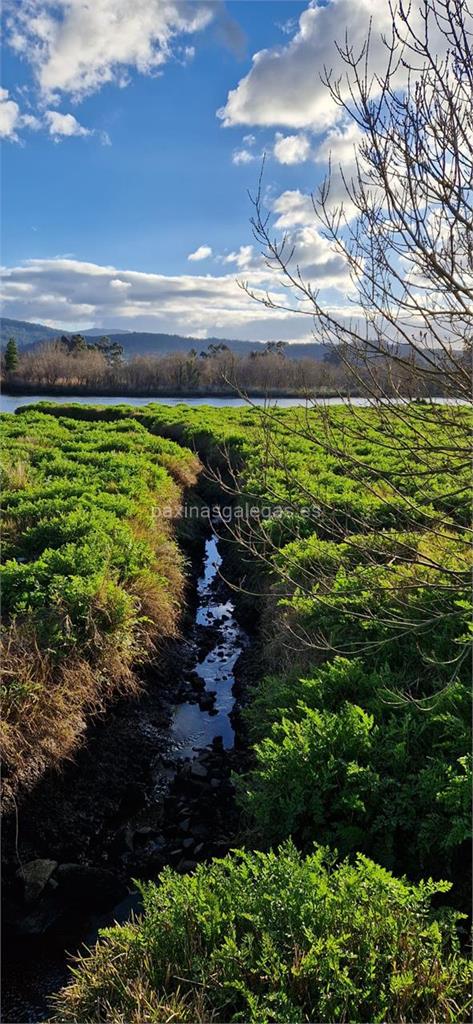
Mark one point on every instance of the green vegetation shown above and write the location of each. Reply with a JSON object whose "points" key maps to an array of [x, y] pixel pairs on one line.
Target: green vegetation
{"points": [[274, 937], [368, 770], [91, 576], [359, 727], [11, 356]]}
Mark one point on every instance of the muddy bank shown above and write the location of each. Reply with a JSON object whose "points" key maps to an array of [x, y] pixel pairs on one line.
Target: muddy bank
{"points": [[152, 786]]}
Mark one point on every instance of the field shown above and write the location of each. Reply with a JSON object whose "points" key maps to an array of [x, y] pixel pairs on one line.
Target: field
{"points": [[90, 578], [359, 781]]}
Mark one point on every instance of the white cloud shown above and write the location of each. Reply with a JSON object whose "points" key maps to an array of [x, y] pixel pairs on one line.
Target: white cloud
{"points": [[58, 125], [202, 253], [243, 156], [312, 254], [340, 152], [293, 207], [30, 121], [291, 149], [243, 258], [64, 125], [11, 118], [68, 292], [284, 86], [76, 47], [340, 144], [120, 285]]}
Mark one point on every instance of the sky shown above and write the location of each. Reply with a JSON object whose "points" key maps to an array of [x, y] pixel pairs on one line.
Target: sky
{"points": [[132, 132]]}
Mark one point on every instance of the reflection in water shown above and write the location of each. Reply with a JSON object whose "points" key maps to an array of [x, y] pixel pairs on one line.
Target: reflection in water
{"points": [[191, 727], [8, 403]]}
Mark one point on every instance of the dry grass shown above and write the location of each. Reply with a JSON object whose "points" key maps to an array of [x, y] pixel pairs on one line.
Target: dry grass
{"points": [[16, 475], [105, 972], [46, 707], [46, 704], [184, 471]]}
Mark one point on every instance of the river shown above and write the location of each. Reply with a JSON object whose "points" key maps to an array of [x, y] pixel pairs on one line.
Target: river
{"points": [[9, 403]]}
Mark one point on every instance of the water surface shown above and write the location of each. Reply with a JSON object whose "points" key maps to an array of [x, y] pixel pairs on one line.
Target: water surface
{"points": [[193, 728], [8, 403]]}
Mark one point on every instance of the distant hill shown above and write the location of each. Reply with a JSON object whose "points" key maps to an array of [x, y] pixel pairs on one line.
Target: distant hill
{"points": [[142, 342], [24, 333]]}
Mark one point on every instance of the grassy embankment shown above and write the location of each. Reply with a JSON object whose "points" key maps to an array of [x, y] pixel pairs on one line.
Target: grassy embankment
{"points": [[360, 730], [91, 578]]}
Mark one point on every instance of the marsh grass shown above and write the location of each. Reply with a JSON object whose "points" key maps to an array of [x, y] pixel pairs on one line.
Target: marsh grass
{"points": [[92, 582]]}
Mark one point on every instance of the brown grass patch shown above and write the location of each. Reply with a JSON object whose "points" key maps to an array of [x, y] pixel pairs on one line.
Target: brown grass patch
{"points": [[46, 707]]}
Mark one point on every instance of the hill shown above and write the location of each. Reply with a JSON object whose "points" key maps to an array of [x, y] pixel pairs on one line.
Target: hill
{"points": [[144, 342], [24, 333]]}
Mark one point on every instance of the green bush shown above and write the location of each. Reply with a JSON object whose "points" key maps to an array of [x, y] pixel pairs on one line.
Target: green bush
{"points": [[273, 937], [342, 758]]}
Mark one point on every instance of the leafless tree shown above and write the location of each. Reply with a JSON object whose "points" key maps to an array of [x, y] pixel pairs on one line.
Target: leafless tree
{"points": [[404, 228]]}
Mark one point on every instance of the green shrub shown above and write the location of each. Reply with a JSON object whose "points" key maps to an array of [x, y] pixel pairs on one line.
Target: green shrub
{"points": [[342, 758], [273, 937]]}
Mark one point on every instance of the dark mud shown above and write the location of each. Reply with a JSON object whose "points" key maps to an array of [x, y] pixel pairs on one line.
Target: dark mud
{"points": [[151, 786]]}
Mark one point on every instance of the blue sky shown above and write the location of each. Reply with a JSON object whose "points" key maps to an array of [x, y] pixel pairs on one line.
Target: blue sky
{"points": [[132, 132]]}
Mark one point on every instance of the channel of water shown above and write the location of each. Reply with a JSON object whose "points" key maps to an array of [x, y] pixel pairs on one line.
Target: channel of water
{"points": [[200, 734]]}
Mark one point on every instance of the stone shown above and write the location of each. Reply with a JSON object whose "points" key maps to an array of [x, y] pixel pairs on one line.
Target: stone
{"points": [[86, 884], [185, 866], [200, 831], [43, 917], [197, 683], [206, 702], [133, 798], [35, 876], [199, 771]]}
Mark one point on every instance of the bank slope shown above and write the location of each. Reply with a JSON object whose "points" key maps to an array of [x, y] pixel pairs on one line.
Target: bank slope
{"points": [[92, 578]]}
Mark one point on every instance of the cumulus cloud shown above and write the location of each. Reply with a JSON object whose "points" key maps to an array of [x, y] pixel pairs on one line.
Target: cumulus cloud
{"points": [[75, 48], [12, 119], [340, 144], [242, 156], [202, 253], [68, 292], [59, 126], [291, 149], [284, 85], [321, 267], [9, 116], [292, 208], [64, 125], [243, 258]]}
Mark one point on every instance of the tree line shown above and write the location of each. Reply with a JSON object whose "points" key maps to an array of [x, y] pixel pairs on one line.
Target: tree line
{"points": [[74, 362]]}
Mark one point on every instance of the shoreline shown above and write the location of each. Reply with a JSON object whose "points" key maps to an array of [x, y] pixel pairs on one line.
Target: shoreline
{"points": [[156, 394]]}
